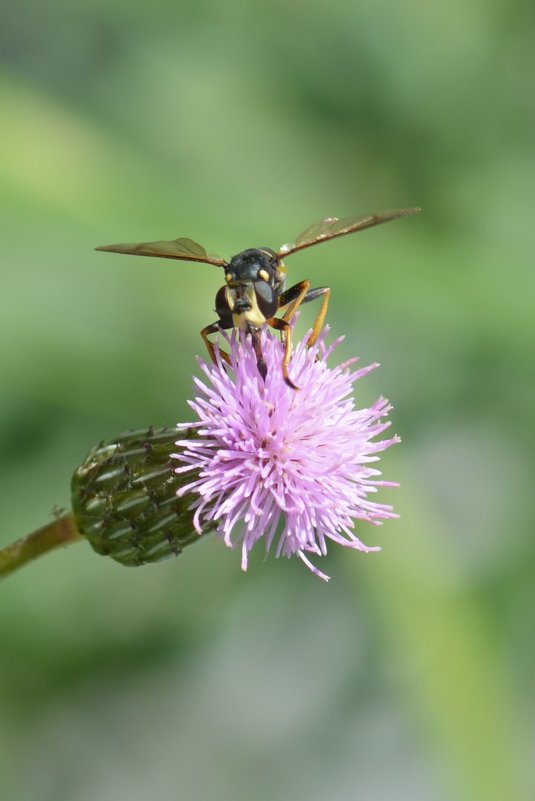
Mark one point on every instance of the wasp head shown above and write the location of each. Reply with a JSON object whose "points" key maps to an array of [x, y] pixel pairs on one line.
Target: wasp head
{"points": [[252, 265], [253, 280]]}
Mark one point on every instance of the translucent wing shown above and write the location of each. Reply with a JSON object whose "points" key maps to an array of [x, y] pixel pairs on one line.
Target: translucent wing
{"points": [[185, 249], [331, 227]]}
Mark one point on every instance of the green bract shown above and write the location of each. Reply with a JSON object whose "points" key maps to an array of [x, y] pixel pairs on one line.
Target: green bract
{"points": [[124, 498]]}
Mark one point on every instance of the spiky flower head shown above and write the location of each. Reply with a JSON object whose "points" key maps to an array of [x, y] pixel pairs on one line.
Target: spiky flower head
{"points": [[290, 467]]}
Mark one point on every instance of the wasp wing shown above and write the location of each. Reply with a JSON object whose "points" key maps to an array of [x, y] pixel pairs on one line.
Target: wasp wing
{"points": [[331, 227], [185, 249]]}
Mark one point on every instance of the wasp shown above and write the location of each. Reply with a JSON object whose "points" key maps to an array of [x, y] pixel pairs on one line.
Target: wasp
{"points": [[254, 290]]}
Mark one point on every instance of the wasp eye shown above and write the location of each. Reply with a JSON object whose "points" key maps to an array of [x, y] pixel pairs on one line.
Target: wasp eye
{"points": [[264, 275]]}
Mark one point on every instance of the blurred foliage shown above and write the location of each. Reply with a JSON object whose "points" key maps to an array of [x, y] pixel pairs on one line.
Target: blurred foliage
{"points": [[410, 675]]}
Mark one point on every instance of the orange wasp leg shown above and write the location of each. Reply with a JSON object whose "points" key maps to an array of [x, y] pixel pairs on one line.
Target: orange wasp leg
{"points": [[214, 328], [301, 293], [293, 298], [286, 335], [325, 293]]}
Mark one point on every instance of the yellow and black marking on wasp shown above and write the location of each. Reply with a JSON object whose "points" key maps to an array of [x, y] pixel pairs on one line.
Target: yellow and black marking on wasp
{"points": [[254, 289]]}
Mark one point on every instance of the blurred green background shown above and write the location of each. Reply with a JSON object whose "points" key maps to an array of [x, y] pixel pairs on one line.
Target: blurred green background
{"points": [[409, 676]]}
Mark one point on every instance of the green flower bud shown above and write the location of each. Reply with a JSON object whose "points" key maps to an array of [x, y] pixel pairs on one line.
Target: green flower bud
{"points": [[124, 498]]}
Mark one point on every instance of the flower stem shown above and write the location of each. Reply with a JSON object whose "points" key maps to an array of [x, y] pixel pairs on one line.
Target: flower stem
{"points": [[61, 531]]}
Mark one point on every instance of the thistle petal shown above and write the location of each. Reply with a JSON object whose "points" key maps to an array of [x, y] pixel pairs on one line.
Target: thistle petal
{"points": [[290, 468]]}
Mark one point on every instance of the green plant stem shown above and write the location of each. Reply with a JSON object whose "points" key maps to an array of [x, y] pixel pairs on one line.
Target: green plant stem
{"points": [[60, 531]]}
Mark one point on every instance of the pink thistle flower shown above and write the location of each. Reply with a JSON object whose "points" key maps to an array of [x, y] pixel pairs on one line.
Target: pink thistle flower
{"points": [[291, 467]]}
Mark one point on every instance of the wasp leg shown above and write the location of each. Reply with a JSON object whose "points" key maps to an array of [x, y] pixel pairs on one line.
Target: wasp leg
{"points": [[286, 335], [301, 293], [260, 362], [214, 328], [324, 293], [293, 298]]}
